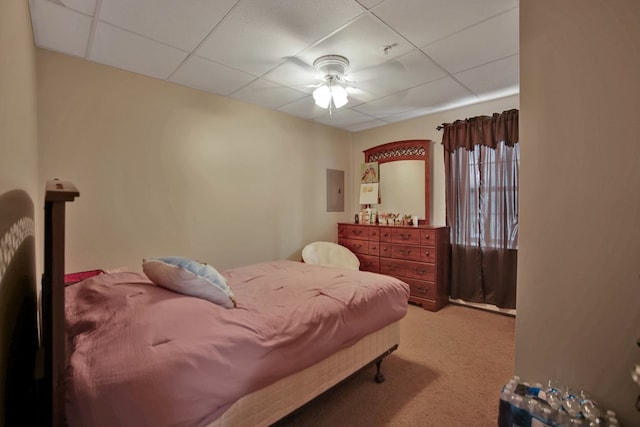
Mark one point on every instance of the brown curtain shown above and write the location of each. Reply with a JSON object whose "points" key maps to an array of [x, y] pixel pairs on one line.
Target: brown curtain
{"points": [[482, 159]]}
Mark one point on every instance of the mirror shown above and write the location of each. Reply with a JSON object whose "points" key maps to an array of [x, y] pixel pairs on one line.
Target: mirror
{"points": [[402, 187], [405, 177]]}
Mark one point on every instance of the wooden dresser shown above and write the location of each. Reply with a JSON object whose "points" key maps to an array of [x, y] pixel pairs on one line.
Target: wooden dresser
{"points": [[417, 255]]}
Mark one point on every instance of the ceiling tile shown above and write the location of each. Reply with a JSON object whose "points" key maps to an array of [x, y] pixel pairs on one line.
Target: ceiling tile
{"points": [[362, 42], [406, 71], [498, 78], [84, 6], [296, 73], [424, 22], [433, 94], [437, 93], [182, 24], [267, 94], [122, 49], [369, 3], [259, 35], [200, 73], [410, 114], [388, 105], [478, 45], [342, 118], [59, 28], [305, 108], [356, 127]]}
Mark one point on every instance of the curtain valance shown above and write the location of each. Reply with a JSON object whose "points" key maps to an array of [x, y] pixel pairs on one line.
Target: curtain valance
{"points": [[481, 130]]}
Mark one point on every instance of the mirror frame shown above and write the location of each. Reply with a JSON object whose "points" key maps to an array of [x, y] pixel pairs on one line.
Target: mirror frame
{"points": [[410, 149]]}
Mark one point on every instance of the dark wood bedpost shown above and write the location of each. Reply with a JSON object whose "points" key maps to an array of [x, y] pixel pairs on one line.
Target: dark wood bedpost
{"points": [[53, 318]]}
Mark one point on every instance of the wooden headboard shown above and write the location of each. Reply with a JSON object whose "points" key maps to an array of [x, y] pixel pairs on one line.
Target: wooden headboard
{"points": [[58, 193]]}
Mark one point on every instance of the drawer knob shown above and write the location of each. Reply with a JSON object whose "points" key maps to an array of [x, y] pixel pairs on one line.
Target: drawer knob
{"points": [[405, 236], [419, 271], [405, 251], [422, 290], [427, 253]]}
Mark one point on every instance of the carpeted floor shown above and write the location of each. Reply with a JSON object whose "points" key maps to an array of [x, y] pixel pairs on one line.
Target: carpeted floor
{"points": [[448, 371]]}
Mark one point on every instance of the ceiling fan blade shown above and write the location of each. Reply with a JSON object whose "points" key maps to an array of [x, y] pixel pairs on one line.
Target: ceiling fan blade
{"points": [[300, 63], [311, 85], [388, 69]]}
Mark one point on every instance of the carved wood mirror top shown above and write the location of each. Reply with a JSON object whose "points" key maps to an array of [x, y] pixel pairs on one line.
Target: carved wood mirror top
{"points": [[413, 149]]}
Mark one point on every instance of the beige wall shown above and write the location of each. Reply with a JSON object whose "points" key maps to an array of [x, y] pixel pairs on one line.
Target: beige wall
{"points": [[167, 170], [18, 128], [18, 151], [423, 128], [579, 259]]}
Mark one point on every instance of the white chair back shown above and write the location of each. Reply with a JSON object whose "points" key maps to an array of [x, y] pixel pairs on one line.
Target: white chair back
{"points": [[330, 254]]}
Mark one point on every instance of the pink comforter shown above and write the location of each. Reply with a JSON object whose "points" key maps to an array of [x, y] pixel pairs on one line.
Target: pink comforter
{"points": [[144, 356]]}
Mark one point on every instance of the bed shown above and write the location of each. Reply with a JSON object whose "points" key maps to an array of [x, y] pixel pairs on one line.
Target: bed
{"points": [[123, 349]]}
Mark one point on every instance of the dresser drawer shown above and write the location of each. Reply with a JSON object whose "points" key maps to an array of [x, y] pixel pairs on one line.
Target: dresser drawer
{"points": [[422, 289], [354, 245], [392, 267], [409, 253], [407, 235], [358, 232], [385, 249], [374, 234], [428, 254], [369, 263], [421, 271], [428, 237], [406, 252], [385, 234], [409, 269], [374, 248]]}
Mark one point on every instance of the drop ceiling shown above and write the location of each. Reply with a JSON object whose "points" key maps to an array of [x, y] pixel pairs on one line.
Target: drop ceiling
{"points": [[408, 58]]}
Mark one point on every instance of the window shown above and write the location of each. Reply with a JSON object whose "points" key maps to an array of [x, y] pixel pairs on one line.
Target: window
{"points": [[493, 196]]}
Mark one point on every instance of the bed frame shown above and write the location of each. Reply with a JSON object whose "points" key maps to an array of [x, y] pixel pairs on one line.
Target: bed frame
{"points": [[257, 408], [57, 194]]}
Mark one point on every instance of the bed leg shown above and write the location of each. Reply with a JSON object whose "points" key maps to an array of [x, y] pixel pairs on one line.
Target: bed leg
{"points": [[379, 378]]}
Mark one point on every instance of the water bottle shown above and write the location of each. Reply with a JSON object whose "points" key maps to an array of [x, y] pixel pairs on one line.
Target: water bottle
{"points": [[611, 419], [589, 409]]}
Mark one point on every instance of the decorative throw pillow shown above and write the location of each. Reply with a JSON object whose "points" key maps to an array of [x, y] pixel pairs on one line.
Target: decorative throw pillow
{"points": [[189, 277]]}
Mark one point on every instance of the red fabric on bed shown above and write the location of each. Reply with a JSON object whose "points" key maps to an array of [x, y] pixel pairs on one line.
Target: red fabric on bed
{"points": [[143, 355]]}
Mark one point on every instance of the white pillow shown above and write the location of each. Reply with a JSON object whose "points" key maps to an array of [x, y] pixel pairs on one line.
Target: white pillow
{"points": [[189, 277]]}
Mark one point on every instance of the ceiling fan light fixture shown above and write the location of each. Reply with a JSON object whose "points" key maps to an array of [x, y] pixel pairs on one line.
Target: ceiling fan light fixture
{"points": [[331, 94], [339, 95], [322, 96]]}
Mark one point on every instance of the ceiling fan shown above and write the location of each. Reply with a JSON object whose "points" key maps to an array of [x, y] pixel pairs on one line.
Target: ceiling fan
{"points": [[331, 93]]}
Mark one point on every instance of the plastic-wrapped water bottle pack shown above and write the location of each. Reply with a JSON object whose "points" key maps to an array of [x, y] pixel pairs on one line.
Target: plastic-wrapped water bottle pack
{"points": [[552, 405]]}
